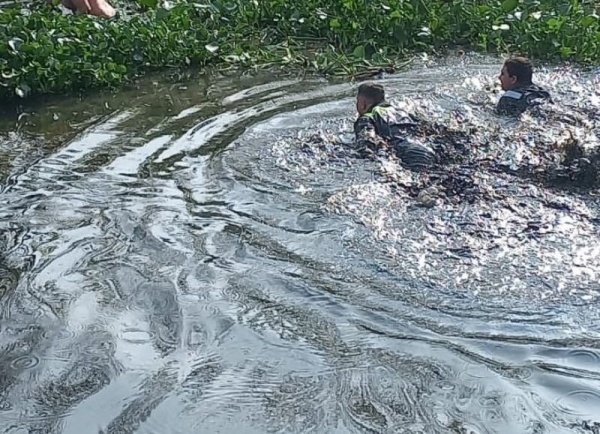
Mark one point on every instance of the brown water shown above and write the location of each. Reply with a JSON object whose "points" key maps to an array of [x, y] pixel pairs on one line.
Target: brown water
{"points": [[175, 261]]}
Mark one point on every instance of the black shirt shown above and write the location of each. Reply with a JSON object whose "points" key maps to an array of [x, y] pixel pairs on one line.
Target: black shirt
{"points": [[384, 126], [516, 101]]}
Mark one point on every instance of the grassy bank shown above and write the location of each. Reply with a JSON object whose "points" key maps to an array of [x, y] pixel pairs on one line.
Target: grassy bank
{"points": [[43, 51]]}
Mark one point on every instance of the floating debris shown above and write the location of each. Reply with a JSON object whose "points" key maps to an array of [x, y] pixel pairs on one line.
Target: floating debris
{"points": [[509, 197]]}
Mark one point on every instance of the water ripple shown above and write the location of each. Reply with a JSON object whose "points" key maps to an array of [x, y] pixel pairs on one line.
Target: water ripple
{"points": [[582, 403], [211, 258], [25, 362]]}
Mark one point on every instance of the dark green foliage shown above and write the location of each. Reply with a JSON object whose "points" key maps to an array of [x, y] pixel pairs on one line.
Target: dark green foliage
{"points": [[43, 51]]}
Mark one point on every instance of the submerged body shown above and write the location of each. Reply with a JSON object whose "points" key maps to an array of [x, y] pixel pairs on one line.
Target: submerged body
{"points": [[517, 100], [384, 128], [520, 93]]}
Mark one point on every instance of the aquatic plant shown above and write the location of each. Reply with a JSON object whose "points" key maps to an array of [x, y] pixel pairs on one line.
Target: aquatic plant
{"points": [[44, 51]]}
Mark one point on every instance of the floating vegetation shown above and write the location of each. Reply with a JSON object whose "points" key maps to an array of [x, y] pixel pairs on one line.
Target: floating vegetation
{"points": [[43, 50]]}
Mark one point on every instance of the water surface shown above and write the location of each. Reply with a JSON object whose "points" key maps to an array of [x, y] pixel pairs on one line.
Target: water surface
{"points": [[184, 258]]}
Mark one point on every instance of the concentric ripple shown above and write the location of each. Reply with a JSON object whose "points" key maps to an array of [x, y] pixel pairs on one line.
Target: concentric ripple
{"points": [[582, 403], [24, 362]]}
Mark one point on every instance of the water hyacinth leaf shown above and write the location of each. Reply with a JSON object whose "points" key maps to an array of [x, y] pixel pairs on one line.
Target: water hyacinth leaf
{"points": [[149, 3], [509, 5], [155, 39], [589, 20], [554, 23], [162, 13], [359, 52], [565, 51]]}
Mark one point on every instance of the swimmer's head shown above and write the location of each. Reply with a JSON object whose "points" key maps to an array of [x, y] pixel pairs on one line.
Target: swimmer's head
{"points": [[369, 95], [517, 71]]}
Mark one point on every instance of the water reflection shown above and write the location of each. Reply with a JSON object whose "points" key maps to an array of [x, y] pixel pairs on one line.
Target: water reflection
{"points": [[188, 258]]}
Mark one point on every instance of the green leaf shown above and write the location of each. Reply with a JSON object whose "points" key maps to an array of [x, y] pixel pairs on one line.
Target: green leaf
{"points": [[162, 13], [334, 23], [566, 51], [149, 3], [554, 23], [359, 52], [509, 5], [589, 20]]}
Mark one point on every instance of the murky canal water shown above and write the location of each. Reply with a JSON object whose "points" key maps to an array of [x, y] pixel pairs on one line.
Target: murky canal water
{"points": [[182, 258]]}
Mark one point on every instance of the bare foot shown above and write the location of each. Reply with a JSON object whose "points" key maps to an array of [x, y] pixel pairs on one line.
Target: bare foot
{"points": [[99, 8]]}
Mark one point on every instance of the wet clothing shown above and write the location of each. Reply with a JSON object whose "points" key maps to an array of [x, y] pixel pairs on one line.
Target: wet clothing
{"points": [[385, 128], [516, 101]]}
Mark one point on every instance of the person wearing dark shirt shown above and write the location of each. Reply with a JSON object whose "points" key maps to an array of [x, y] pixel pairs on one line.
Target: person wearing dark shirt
{"points": [[381, 128], [520, 92]]}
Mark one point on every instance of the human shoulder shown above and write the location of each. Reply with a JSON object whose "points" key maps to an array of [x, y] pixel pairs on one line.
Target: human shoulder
{"points": [[381, 110], [511, 103], [513, 94]]}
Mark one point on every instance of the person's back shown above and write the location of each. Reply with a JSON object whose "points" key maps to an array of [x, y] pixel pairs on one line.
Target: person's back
{"points": [[381, 126], [520, 92]]}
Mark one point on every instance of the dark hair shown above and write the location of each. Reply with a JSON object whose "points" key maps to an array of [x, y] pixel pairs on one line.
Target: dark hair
{"points": [[521, 68], [372, 92]]}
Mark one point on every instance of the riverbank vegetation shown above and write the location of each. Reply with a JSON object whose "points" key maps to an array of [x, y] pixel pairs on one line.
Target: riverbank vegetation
{"points": [[45, 51]]}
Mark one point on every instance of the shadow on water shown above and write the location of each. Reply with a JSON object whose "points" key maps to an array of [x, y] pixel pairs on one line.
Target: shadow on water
{"points": [[181, 258]]}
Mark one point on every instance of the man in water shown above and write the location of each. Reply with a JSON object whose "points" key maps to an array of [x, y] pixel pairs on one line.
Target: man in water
{"points": [[520, 92], [382, 128]]}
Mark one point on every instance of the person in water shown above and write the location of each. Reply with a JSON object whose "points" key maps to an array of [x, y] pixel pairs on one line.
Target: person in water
{"points": [[520, 92], [383, 128]]}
